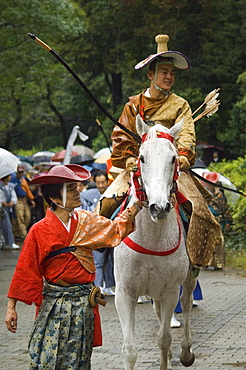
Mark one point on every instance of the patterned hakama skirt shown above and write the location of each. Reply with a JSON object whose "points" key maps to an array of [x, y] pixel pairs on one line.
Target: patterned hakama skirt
{"points": [[62, 336]]}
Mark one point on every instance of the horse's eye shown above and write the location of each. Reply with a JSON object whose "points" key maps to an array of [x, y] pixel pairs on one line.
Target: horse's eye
{"points": [[173, 159], [141, 158]]}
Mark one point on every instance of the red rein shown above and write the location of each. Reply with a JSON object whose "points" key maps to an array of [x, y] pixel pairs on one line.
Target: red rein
{"points": [[141, 195]]}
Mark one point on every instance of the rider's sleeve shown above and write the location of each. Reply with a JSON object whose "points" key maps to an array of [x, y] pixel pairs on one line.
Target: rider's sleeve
{"points": [[124, 146], [186, 142]]}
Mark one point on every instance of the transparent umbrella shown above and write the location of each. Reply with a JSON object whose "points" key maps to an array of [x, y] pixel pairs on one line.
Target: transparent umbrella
{"points": [[232, 197], [43, 156], [102, 152], [83, 150], [8, 163], [103, 158], [26, 164]]}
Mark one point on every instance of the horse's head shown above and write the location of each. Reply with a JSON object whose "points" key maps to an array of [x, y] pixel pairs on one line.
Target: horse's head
{"points": [[158, 162]]}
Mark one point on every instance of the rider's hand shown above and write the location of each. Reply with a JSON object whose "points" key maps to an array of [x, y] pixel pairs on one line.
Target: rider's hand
{"points": [[184, 163], [130, 163]]}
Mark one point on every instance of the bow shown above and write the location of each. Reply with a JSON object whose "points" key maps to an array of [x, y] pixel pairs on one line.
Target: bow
{"points": [[58, 57]]}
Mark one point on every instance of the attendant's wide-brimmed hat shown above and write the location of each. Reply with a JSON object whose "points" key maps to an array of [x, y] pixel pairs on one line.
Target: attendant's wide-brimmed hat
{"points": [[211, 176], [62, 174], [176, 58]]}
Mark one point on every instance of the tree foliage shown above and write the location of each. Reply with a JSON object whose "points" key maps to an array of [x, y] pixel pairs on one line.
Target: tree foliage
{"points": [[103, 40], [121, 33], [235, 170], [32, 82], [234, 136]]}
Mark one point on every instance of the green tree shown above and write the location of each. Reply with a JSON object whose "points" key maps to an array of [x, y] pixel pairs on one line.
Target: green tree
{"points": [[120, 33], [33, 94], [103, 40], [235, 136]]}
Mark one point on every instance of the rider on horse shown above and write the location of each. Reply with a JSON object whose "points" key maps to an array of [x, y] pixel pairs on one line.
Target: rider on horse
{"points": [[158, 104]]}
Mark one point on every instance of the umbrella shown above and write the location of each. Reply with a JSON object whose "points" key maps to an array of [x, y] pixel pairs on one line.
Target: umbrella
{"points": [[59, 156], [23, 158], [81, 159], [89, 168], [208, 151], [47, 165], [103, 158], [199, 164], [205, 146], [83, 150], [26, 164], [231, 196], [102, 152], [101, 162], [42, 156], [8, 163], [99, 166]]}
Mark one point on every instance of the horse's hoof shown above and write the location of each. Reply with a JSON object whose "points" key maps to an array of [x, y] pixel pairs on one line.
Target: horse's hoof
{"points": [[188, 363]]}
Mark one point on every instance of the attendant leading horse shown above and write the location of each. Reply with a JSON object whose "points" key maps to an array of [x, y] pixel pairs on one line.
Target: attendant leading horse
{"points": [[153, 259]]}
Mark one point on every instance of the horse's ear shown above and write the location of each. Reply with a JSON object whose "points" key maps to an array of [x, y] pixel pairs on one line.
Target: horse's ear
{"points": [[174, 130], [141, 127]]}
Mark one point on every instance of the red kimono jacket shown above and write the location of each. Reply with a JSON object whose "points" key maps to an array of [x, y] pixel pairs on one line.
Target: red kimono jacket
{"points": [[49, 234]]}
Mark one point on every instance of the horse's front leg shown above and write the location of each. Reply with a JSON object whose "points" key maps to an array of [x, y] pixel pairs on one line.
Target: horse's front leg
{"points": [[125, 305], [164, 310], [187, 357]]}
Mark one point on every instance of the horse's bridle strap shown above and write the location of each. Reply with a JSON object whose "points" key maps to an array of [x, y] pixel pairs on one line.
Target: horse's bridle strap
{"points": [[137, 248], [159, 135]]}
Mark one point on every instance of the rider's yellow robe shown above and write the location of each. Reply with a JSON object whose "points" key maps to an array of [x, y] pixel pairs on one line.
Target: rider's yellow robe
{"points": [[204, 229]]}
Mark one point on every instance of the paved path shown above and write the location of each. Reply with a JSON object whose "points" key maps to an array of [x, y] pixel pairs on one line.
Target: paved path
{"points": [[218, 327]]}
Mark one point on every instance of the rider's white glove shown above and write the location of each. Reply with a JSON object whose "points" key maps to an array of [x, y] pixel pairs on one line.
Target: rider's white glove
{"points": [[130, 163], [184, 163]]}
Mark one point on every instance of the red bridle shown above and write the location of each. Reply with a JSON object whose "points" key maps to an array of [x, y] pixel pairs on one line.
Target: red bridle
{"points": [[141, 195], [159, 135], [137, 179]]}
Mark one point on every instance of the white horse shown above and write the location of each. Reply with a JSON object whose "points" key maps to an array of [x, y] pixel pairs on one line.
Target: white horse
{"points": [[158, 229]]}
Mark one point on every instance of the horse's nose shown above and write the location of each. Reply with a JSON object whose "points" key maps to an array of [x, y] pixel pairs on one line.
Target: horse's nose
{"points": [[160, 212], [168, 207]]}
